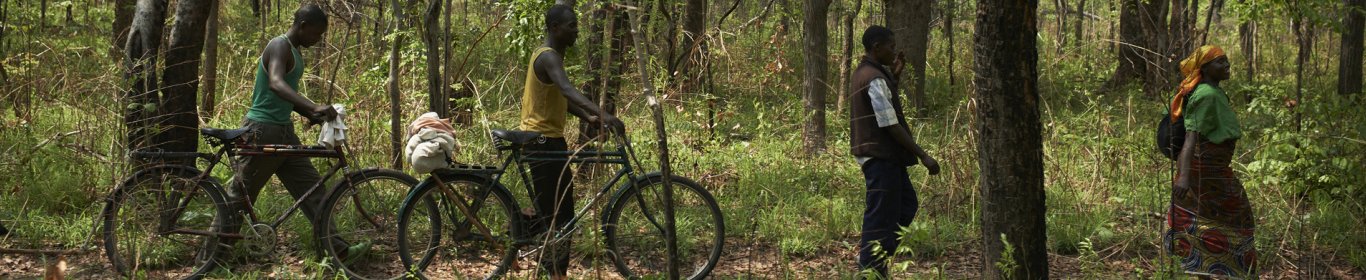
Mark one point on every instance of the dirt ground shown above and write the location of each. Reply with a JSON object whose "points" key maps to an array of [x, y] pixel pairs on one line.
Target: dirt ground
{"points": [[756, 262]]}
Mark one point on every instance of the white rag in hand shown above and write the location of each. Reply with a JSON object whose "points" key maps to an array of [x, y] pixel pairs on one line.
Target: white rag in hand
{"points": [[429, 149], [334, 131]]}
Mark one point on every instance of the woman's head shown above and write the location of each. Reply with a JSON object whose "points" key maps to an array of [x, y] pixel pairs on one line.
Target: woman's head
{"points": [[1216, 70]]}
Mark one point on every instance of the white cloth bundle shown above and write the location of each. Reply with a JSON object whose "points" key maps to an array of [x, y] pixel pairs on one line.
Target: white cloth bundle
{"points": [[334, 131], [429, 148]]}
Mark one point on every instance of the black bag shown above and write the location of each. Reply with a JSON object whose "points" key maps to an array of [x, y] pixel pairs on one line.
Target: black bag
{"points": [[1171, 135]]}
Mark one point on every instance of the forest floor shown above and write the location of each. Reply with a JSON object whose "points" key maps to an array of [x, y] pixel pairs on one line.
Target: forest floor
{"points": [[757, 261]]}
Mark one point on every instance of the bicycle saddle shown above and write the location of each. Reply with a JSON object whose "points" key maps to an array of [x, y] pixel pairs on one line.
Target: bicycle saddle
{"points": [[517, 137], [223, 134]]}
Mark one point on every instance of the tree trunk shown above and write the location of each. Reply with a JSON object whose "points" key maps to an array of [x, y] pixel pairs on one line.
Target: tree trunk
{"points": [[693, 37], [1247, 41], [210, 62], [910, 24], [395, 113], [1141, 29], [1061, 7], [606, 61], [845, 73], [948, 34], [183, 55], [1081, 21], [123, 17], [1010, 144], [816, 53], [1349, 59], [142, 52], [1303, 28], [436, 94]]}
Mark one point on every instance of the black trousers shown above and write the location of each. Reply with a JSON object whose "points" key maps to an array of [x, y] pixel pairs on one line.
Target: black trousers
{"points": [[891, 204], [553, 192]]}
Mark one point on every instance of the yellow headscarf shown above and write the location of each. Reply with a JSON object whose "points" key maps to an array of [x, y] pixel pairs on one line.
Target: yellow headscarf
{"points": [[1190, 68]]}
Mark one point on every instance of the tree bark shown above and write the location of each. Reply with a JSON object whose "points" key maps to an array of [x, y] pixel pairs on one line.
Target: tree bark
{"points": [[1081, 21], [1142, 29], [182, 76], [142, 51], [949, 12], [1247, 41], [395, 112], [1349, 59], [606, 61], [123, 17], [816, 53], [910, 23], [436, 93], [845, 73], [210, 62], [1010, 143], [692, 40]]}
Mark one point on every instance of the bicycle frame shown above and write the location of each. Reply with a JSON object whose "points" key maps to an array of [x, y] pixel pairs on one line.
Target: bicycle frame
{"points": [[624, 155], [242, 149]]}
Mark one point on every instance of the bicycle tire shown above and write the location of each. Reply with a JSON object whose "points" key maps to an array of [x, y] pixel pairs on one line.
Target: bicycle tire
{"points": [[467, 253], [363, 208], [165, 254], [637, 245]]}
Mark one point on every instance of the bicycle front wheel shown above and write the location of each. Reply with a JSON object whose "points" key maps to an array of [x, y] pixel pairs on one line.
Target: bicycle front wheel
{"points": [[438, 239], [357, 233], [635, 230], [161, 223]]}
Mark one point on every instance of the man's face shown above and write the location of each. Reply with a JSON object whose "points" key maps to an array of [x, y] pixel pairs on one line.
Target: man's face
{"points": [[885, 52], [568, 31], [313, 33]]}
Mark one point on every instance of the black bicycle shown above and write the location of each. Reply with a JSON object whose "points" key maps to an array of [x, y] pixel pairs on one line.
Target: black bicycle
{"points": [[167, 221], [464, 221]]}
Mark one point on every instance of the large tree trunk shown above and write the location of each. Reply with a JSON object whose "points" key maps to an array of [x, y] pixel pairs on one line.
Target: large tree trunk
{"points": [[1349, 59], [123, 17], [816, 53], [1010, 143], [210, 62], [395, 113], [910, 23], [143, 50], [183, 55], [436, 93]]}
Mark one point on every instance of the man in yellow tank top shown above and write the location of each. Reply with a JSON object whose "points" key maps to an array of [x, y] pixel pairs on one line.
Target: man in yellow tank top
{"points": [[547, 99]]}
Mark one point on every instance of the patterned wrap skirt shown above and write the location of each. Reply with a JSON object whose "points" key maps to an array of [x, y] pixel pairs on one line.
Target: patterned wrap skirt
{"points": [[1209, 224]]}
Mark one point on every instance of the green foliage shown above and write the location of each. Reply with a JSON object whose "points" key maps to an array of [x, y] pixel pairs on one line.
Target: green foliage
{"points": [[528, 25]]}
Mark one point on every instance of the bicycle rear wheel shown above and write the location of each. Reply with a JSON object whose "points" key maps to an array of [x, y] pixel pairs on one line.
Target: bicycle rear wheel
{"points": [[635, 230], [438, 239], [364, 210], [162, 224]]}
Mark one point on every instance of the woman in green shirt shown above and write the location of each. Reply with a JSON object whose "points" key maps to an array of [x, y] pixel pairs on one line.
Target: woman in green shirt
{"points": [[1210, 223]]}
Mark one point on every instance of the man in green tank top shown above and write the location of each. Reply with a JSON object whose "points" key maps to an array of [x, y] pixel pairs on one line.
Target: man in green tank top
{"points": [[274, 96]]}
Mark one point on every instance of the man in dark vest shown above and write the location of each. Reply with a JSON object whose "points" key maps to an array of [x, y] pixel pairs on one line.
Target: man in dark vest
{"points": [[882, 144]]}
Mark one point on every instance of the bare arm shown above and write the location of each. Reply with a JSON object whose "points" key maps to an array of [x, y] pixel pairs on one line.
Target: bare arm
{"points": [[903, 137], [279, 61], [1183, 160], [552, 65]]}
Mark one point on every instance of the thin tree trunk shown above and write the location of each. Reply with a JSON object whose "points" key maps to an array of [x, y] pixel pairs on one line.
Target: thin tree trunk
{"points": [[948, 34], [1304, 38], [597, 69], [210, 62], [1081, 22], [1010, 143], [1349, 58], [142, 52], [123, 17], [436, 94], [1061, 7], [816, 51], [395, 113], [182, 76], [910, 24], [845, 73]]}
